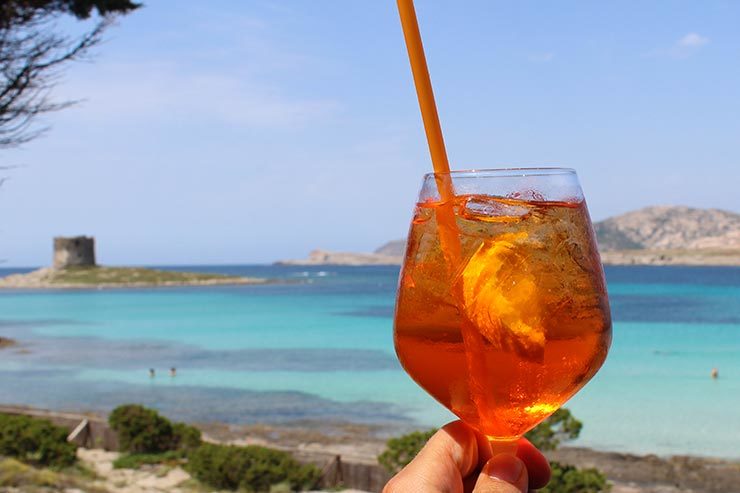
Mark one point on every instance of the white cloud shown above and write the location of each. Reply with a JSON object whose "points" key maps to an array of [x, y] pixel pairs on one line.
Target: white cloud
{"points": [[242, 73], [692, 41], [151, 91], [682, 48]]}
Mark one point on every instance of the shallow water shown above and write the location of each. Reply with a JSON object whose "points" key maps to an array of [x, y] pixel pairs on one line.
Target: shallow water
{"points": [[319, 347]]}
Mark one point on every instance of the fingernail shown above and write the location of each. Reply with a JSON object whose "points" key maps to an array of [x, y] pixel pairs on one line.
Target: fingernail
{"points": [[504, 467]]}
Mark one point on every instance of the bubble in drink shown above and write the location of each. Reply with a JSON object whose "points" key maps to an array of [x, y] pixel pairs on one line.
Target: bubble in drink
{"points": [[508, 332]]}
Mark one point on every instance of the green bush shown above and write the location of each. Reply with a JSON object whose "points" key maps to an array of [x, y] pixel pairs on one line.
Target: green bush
{"points": [[186, 437], [570, 479], [36, 441], [141, 430], [401, 450], [252, 468], [559, 427]]}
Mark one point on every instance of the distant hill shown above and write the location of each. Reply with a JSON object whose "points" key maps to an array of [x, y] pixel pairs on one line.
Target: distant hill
{"points": [[325, 257], [658, 235], [669, 228], [395, 248]]}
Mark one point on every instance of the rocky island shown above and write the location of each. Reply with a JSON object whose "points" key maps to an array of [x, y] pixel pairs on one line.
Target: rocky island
{"points": [[74, 267], [659, 235]]}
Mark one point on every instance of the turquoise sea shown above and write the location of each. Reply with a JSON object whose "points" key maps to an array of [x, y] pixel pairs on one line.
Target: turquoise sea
{"points": [[317, 346]]}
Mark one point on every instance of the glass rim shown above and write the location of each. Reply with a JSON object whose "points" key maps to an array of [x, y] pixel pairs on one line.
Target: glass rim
{"points": [[505, 172]]}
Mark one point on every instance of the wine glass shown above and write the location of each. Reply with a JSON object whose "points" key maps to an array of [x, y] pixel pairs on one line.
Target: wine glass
{"points": [[502, 312]]}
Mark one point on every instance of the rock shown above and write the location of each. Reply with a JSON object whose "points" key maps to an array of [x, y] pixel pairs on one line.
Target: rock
{"points": [[670, 228], [6, 342], [395, 248]]}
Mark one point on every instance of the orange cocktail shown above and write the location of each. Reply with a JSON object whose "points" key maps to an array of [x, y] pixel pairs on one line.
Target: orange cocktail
{"points": [[502, 311]]}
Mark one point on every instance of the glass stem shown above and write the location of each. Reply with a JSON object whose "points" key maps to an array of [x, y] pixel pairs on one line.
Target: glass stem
{"points": [[503, 447]]}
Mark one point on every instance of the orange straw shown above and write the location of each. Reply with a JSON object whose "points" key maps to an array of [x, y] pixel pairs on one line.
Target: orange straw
{"points": [[423, 83], [447, 225], [425, 93]]}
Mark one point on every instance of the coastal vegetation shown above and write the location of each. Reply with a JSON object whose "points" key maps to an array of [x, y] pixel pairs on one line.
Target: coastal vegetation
{"points": [[35, 441], [124, 275], [112, 277], [560, 427], [401, 450], [25, 478], [547, 436], [251, 468], [149, 438], [570, 479], [35, 455], [143, 431]]}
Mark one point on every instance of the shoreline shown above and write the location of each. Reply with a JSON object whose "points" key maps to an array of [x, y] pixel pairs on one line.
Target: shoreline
{"points": [[360, 444], [676, 257], [47, 278]]}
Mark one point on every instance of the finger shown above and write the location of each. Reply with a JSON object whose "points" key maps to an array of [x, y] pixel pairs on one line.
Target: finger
{"points": [[503, 474], [455, 444], [449, 456], [536, 464]]}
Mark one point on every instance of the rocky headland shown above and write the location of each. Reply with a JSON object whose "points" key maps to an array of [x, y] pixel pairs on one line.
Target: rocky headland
{"points": [[325, 257], [659, 235]]}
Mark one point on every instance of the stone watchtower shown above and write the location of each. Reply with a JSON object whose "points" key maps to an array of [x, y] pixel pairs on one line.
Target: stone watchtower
{"points": [[74, 251]]}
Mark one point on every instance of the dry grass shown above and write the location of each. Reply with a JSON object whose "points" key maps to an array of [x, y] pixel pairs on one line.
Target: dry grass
{"points": [[15, 474]]}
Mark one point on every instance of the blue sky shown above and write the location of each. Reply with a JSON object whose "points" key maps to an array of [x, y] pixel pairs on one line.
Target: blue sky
{"points": [[248, 131]]}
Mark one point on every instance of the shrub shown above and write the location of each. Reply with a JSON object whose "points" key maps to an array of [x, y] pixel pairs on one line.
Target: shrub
{"points": [[569, 479], [251, 468], [141, 430], [36, 441], [559, 427], [401, 450], [186, 437]]}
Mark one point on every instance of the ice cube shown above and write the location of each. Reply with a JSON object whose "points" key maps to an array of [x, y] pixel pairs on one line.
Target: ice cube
{"points": [[532, 195], [492, 209], [422, 214], [501, 296]]}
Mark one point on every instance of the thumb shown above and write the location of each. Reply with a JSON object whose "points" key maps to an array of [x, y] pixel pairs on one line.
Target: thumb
{"points": [[504, 473]]}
